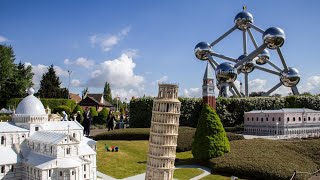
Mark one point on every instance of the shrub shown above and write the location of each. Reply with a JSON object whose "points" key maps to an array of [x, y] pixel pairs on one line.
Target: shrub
{"points": [[76, 109], [210, 138], [125, 134], [61, 108], [141, 112], [102, 116], [93, 112]]}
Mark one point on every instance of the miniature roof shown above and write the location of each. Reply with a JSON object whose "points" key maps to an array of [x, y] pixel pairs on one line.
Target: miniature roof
{"points": [[208, 74], [30, 105], [48, 137], [84, 149], [286, 110], [88, 141], [10, 127], [8, 156], [62, 126]]}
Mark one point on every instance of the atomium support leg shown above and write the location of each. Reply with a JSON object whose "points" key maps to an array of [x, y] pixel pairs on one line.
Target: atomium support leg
{"points": [[295, 90], [282, 59], [224, 88], [272, 89], [267, 70], [257, 28], [236, 89], [224, 57], [252, 38], [246, 84], [244, 35], [232, 92], [223, 36], [213, 63], [251, 55]]}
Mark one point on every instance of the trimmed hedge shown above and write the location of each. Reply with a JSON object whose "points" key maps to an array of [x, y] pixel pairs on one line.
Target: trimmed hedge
{"points": [[184, 141], [269, 159], [51, 103], [230, 110]]}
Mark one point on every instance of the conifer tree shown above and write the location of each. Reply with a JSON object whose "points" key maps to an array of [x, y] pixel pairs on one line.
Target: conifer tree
{"points": [[107, 93], [210, 139]]}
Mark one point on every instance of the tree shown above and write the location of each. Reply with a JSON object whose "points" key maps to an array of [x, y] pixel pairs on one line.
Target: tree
{"points": [[256, 94], [107, 93], [210, 139], [102, 116], [15, 79], [76, 109], [50, 85]]}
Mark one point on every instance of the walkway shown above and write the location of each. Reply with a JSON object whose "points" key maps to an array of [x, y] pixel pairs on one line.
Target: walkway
{"points": [[206, 171]]}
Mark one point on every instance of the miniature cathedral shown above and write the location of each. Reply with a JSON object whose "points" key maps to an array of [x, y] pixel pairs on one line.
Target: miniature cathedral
{"points": [[163, 133], [33, 147]]}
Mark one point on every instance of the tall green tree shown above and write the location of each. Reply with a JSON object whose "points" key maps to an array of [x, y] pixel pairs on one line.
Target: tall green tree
{"points": [[23, 79], [210, 139], [107, 93], [50, 85]]}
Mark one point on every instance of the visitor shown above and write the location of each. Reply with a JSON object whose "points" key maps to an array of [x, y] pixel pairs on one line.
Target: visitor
{"points": [[121, 123], [87, 118], [79, 117], [110, 121], [64, 116]]}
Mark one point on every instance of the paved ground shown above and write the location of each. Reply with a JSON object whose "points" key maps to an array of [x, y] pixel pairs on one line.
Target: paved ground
{"points": [[206, 171]]}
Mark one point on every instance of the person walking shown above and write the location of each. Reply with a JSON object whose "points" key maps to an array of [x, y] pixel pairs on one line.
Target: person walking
{"points": [[87, 118], [64, 116], [110, 121]]}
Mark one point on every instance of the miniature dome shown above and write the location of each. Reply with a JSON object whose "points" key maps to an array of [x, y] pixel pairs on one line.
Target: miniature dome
{"points": [[30, 105]]}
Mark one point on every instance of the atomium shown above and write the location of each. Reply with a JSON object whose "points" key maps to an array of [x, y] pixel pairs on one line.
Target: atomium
{"points": [[259, 58]]}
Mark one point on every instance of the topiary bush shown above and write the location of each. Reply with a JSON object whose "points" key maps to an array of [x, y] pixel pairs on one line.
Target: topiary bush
{"points": [[210, 139], [76, 109], [125, 134], [102, 116]]}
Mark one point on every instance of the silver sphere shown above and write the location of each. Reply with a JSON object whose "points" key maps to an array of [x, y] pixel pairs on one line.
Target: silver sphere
{"points": [[248, 67], [263, 57], [226, 72], [202, 50], [274, 37], [243, 20], [290, 78]]}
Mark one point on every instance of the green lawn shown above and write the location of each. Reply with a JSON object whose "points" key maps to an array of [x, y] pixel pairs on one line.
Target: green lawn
{"points": [[216, 177], [186, 173]]}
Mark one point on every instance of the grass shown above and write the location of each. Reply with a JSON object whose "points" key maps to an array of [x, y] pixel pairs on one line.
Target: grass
{"points": [[186, 173], [215, 177], [130, 160]]}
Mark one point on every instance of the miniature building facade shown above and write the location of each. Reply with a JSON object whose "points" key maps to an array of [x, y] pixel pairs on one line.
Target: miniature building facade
{"points": [[208, 95], [33, 148], [163, 133], [288, 121]]}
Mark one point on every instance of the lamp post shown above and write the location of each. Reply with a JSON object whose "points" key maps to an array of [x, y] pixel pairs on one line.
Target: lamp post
{"points": [[277, 123], [118, 103], [69, 72]]}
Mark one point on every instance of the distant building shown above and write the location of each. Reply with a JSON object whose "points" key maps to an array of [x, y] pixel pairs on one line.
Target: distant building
{"points": [[208, 95], [34, 148], [95, 100], [75, 97], [290, 122]]}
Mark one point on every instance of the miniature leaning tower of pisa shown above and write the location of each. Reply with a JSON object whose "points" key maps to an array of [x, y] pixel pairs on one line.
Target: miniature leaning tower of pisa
{"points": [[163, 133]]}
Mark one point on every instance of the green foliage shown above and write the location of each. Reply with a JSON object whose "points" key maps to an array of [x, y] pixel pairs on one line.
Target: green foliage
{"points": [[121, 110], [102, 116], [15, 78], [141, 112], [107, 93], [210, 139], [269, 159], [51, 103], [50, 85], [61, 108], [190, 111], [76, 109], [125, 134], [93, 112]]}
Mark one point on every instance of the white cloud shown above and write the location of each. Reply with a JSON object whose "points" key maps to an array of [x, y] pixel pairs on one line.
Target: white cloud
{"points": [[3, 39], [257, 85], [81, 61], [75, 83], [312, 85], [163, 79], [126, 93], [106, 42], [40, 69], [192, 92], [119, 73]]}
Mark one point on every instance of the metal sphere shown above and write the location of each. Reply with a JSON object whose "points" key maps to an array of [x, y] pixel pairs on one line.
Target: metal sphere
{"points": [[243, 20], [290, 78], [202, 50], [274, 37], [226, 72], [263, 57], [248, 67]]}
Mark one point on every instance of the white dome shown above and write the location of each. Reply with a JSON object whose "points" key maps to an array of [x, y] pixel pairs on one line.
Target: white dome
{"points": [[30, 105]]}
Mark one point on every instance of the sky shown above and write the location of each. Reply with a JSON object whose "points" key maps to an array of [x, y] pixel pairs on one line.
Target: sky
{"points": [[134, 45]]}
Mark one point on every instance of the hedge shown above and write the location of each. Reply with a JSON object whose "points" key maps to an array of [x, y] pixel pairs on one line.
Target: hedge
{"points": [[51, 103], [230, 110]]}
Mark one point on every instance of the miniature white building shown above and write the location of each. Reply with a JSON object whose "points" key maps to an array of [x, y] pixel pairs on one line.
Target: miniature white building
{"points": [[290, 122], [163, 133], [33, 148]]}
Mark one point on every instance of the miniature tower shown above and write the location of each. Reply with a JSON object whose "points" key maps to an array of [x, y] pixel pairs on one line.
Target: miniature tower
{"points": [[163, 133], [208, 88]]}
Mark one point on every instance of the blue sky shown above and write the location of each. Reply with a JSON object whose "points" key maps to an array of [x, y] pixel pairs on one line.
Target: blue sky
{"points": [[136, 44]]}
